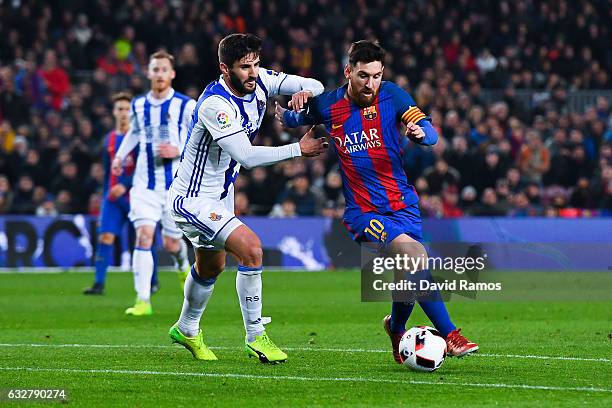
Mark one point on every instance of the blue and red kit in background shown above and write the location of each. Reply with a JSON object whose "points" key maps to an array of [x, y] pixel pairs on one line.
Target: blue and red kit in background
{"points": [[114, 211]]}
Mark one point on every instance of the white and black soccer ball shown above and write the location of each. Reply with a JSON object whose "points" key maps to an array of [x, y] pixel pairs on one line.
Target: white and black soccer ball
{"points": [[423, 348]]}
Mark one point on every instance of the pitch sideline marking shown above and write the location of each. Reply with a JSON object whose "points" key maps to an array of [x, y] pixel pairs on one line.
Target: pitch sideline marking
{"points": [[299, 378], [331, 350]]}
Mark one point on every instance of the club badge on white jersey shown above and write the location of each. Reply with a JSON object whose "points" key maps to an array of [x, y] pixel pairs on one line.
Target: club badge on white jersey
{"points": [[205, 169]]}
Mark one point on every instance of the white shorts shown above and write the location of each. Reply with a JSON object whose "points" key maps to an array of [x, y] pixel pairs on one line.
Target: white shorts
{"points": [[148, 207], [205, 222]]}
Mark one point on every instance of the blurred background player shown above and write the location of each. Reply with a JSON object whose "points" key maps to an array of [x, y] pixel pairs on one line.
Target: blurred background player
{"points": [[116, 203], [362, 118], [227, 119], [159, 122]]}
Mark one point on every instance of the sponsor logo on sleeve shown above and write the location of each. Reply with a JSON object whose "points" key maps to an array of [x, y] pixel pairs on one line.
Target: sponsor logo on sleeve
{"points": [[223, 120]]}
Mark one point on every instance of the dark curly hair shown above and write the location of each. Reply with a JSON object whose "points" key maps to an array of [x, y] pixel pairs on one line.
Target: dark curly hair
{"points": [[237, 46]]}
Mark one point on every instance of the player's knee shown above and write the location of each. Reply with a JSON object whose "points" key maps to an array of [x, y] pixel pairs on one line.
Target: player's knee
{"points": [[253, 256], [412, 249], [246, 246], [144, 239], [107, 238], [417, 251]]}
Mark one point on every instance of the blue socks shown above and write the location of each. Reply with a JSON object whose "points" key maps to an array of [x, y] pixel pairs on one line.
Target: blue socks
{"points": [[400, 312], [435, 309], [103, 254], [437, 313], [433, 306]]}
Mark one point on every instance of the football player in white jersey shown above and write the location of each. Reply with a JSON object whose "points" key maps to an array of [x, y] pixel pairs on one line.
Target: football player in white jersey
{"points": [[159, 123], [225, 122]]}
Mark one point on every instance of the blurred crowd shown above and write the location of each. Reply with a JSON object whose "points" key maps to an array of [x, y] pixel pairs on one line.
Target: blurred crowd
{"points": [[61, 60]]}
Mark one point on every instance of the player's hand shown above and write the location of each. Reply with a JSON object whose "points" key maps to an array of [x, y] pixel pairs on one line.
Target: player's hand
{"points": [[310, 146], [414, 132], [279, 113], [116, 191], [117, 167], [168, 151], [299, 99]]}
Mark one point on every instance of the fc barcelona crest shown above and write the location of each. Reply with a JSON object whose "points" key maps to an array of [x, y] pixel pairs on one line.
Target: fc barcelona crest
{"points": [[369, 113]]}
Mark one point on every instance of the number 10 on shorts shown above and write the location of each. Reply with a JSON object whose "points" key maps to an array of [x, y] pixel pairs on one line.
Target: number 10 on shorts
{"points": [[376, 230]]}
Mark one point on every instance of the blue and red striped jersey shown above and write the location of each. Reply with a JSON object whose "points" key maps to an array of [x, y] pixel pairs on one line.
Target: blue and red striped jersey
{"points": [[367, 141], [112, 141]]}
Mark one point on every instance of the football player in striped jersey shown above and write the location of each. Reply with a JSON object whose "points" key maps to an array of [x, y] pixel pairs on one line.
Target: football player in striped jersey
{"points": [[226, 120], [159, 121]]}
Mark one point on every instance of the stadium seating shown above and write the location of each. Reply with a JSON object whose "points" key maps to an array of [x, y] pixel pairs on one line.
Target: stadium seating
{"points": [[524, 113]]}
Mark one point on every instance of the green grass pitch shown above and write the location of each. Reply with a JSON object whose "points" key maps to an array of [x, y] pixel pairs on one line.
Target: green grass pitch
{"points": [[51, 336]]}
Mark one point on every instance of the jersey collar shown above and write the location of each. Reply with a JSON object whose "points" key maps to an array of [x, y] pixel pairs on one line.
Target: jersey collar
{"points": [[156, 102]]}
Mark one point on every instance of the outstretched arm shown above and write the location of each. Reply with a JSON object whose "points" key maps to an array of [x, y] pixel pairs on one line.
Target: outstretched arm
{"points": [[240, 149], [221, 120], [300, 88], [295, 83], [279, 83], [293, 119]]}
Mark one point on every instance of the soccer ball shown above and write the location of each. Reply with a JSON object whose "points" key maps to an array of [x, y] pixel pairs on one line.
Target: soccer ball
{"points": [[423, 348]]}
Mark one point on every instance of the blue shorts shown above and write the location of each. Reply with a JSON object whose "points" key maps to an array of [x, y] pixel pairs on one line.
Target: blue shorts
{"points": [[384, 228], [113, 216]]}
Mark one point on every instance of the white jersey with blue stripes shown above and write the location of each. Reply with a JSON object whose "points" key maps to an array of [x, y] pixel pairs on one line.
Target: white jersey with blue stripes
{"points": [[155, 122], [206, 170]]}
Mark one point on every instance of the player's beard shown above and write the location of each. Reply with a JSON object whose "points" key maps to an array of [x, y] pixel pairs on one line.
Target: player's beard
{"points": [[238, 85], [161, 86], [365, 100]]}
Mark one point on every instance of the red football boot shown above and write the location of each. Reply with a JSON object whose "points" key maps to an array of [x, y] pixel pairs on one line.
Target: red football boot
{"points": [[459, 346], [395, 339]]}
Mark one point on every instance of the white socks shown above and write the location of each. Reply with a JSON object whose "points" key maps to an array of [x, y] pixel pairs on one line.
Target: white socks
{"points": [[181, 257], [248, 287], [197, 293], [142, 265]]}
